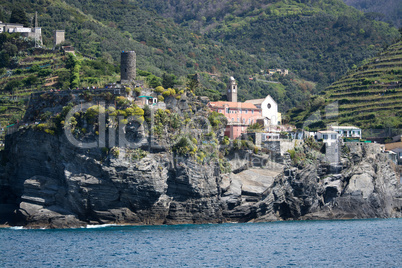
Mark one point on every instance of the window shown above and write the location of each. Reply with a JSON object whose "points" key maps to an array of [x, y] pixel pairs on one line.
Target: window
{"points": [[333, 136], [227, 110], [269, 105], [245, 111], [238, 120], [325, 137], [252, 111], [232, 119], [244, 120]]}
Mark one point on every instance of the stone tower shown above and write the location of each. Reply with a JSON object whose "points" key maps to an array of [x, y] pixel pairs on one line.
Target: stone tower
{"points": [[128, 66], [59, 37], [232, 90]]}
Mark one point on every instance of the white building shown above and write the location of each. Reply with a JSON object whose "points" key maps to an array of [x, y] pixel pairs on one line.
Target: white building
{"points": [[347, 131], [269, 109], [328, 136], [34, 33]]}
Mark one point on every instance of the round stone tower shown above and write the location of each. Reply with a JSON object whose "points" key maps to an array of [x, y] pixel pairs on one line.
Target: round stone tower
{"points": [[128, 66]]}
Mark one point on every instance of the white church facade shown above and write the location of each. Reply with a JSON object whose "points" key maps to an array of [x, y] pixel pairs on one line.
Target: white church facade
{"points": [[269, 109]]}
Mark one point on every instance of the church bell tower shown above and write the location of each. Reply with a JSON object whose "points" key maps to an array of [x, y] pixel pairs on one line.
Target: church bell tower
{"points": [[232, 90]]}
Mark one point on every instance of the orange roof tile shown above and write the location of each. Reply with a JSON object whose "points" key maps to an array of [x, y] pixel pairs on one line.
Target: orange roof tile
{"points": [[232, 105]]}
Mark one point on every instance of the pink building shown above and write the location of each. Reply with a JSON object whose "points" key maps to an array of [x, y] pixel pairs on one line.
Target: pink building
{"points": [[240, 116]]}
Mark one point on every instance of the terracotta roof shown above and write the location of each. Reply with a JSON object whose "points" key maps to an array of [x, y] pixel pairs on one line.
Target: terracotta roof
{"points": [[259, 101], [255, 101], [232, 105]]}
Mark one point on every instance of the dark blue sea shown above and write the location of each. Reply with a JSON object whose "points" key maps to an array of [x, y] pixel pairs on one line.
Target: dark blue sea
{"points": [[352, 243]]}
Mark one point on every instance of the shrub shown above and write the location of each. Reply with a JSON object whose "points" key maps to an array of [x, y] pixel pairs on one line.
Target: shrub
{"points": [[138, 154], [115, 152], [217, 119], [44, 72], [154, 81], [122, 101], [30, 80], [34, 69], [143, 73], [225, 141], [237, 144], [169, 92], [159, 89], [13, 85], [184, 146]]}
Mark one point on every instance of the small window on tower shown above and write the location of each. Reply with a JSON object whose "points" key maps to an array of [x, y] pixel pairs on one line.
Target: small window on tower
{"points": [[269, 105], [125, 70]]}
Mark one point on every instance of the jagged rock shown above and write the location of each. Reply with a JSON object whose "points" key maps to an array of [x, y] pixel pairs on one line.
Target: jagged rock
{"points": [[48, 182]]}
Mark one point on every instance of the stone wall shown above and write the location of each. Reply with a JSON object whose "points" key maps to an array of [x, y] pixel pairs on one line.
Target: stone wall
{"points": [[279, 146]]}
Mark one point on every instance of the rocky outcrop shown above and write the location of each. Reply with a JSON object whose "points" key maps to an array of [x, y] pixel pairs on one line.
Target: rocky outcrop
{"points": [[47, 182]]}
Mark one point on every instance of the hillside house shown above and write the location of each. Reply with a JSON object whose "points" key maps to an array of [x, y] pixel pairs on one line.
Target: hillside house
{"points": [[328, 136], [398, 152], [34, 33], [347, 131]]}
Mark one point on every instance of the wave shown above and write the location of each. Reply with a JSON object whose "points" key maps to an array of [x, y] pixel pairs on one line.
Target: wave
{"points": [[100, 226], [16, 228]]}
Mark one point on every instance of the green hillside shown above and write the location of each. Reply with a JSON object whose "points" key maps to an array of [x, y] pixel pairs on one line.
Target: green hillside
{"points": [[385, 10], [316, 39], [369, 97], [104, 28]]}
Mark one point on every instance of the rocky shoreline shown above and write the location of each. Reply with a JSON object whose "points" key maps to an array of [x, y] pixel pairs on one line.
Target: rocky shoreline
{"points": [[48, 183]]}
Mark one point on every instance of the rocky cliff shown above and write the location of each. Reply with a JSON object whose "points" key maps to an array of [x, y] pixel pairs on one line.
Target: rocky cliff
{"points": [[51, 183], [175, 177]]}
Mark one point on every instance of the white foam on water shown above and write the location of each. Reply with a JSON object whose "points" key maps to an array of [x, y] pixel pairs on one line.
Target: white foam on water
{"points": [[100, 226]]}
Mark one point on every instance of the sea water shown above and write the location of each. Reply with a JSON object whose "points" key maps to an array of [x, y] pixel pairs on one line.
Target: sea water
{"points": [[351, 243]]}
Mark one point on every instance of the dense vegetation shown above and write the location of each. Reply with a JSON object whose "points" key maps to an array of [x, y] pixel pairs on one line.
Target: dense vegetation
{"points": [[384, 10], [318, 41], [368, 97]]}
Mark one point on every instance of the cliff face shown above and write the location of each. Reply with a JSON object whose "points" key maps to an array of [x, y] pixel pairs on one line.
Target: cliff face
{"points": [[53, 184]]}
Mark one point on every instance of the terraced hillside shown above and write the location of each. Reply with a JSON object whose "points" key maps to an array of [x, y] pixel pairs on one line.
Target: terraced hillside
{"points": [[369, 97], [44, 70]]}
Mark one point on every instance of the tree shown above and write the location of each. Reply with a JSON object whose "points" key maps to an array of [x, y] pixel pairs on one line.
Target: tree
{"points": [[169, 80], [2, 17], [12, 85], [4, 59], [18, 16], [30, 80], [11, 49], [192, 82], [153, 81]]}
